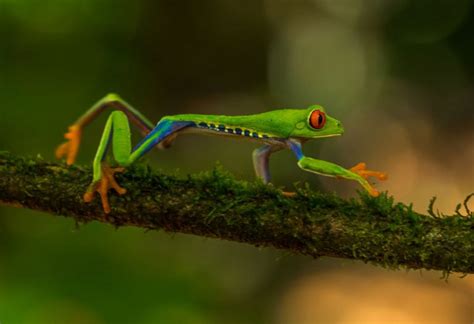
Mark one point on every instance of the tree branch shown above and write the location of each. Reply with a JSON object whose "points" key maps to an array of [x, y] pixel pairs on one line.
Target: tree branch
{"points": [[214, 204]]}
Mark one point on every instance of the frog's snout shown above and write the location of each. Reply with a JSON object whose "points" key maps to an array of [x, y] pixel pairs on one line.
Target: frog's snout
{"points": [[340, 128]]}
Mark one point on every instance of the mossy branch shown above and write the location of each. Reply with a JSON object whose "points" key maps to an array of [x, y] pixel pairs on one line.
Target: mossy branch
{"points": [[216, 205]]}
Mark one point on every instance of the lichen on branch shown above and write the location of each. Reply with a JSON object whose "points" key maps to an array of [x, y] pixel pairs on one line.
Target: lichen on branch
{"points": [[214, 204]]}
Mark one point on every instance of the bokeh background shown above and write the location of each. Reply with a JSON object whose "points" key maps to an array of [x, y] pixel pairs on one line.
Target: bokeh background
{"points": [[398, 73]]}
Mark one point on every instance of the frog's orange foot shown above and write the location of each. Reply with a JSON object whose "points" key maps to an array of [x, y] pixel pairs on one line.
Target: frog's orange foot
{"points": [[106, 183], [288, 193], [373, 192], [361, 169], [70, 148]]}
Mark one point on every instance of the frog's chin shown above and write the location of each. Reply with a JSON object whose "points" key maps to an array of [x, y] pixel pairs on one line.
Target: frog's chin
{"points": [[328, 135], [305, 139]]}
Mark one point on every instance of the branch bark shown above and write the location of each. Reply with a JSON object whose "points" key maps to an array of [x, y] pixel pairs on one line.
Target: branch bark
{"points": [[214, 204]]}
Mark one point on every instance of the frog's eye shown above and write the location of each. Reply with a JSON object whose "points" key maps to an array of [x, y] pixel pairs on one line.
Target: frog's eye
{"points": [[317, 119]]}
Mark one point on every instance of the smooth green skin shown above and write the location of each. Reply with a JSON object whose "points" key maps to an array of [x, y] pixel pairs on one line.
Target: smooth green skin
{"points": [[287, 128], [283, 123]]}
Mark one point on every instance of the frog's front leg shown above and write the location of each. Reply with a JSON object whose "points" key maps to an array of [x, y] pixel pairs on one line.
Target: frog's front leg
{"points": [[361, 169], [357, 173]]}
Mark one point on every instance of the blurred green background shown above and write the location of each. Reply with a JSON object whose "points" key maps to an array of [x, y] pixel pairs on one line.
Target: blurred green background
{"points": [[398, 73]]}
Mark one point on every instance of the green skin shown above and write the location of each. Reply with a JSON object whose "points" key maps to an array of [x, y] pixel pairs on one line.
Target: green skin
{"points": [[276, 130]]}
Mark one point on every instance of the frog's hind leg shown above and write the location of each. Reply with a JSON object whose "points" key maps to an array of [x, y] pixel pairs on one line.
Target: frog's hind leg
{"points": [[117, 134], [70, 148], [261, 161], [162, 136]]}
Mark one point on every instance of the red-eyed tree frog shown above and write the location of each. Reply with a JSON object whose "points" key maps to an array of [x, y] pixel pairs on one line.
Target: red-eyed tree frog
{"points": [[275, 130]]}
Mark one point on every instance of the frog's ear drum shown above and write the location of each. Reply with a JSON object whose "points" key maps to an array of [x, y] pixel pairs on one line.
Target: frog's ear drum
{"points": [[317, 119]]}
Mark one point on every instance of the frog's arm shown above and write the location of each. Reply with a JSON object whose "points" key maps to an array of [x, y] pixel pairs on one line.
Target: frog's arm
{"points": [[357, 173], [117, 135], [111, 101]]}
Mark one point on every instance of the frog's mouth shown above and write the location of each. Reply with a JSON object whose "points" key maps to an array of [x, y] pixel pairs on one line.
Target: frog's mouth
{"points": [[329, 135], [339, 131]]}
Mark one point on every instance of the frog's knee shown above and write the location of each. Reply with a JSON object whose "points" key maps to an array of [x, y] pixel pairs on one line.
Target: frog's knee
{"points": [[112, 97]]}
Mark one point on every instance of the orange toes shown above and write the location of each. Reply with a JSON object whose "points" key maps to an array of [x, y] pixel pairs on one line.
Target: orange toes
{"points": [[62, 150], [70, 148], [104, 196], [361, 169], [382, 176], [103, 186], [114, 185], [110, 174], [358, 166], [89, 196], [374, 192], [288, 194], [376, 174]]}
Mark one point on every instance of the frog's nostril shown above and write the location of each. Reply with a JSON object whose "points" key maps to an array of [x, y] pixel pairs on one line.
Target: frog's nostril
{"points": [[339, 126]]}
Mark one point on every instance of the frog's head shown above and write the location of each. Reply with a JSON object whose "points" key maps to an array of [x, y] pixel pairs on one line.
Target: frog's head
{"points": [[317, 124]]}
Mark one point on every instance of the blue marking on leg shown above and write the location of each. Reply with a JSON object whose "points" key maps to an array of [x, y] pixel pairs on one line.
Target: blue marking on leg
{"points": [[162, 130], [296, 148]]}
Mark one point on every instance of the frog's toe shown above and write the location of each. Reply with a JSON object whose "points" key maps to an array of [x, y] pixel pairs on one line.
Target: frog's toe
{"points": [[374, 192], [103, 186], [382, 176], [359, 166], [288, 194], [70, 148], [361, 169]]}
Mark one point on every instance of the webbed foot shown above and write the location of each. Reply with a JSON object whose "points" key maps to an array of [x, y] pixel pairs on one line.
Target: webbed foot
{"points": [[361, 170], [102, 186], [70, 148]]}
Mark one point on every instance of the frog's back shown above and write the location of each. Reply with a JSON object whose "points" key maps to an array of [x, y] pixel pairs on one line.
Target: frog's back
{"points": [[277, 123]]}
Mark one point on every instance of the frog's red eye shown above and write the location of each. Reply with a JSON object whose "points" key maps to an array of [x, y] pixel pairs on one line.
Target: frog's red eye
{"points": [[317, 119]]}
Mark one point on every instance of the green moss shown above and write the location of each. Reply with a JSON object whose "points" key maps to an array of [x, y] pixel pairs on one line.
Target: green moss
{"points": [[215, 204]]}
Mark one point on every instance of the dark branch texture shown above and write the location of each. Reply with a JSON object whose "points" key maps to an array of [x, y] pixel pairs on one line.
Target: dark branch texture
{"points": [[214, 204]]}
